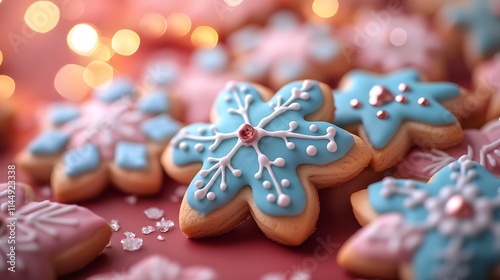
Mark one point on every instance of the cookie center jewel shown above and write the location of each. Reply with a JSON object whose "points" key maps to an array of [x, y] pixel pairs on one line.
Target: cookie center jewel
{"points": [[379, 95], [458, 207], [247, 133]]}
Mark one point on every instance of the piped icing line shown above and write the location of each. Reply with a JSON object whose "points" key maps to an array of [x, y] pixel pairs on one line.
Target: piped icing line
{"points": [[381, 103], [456, 215], [250, 125]]}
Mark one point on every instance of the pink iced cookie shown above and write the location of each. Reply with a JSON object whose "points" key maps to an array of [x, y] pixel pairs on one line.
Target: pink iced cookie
{"points": [[51, 239], [156, 267], [487, 78], [115, 137], [287, 50], [403, 41], [196, 81], [482, 146]]}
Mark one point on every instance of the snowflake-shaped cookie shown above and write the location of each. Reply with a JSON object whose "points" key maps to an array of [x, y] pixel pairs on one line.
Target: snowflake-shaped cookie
{"points": [[264, 145], [287, 50], [482, 146], [487, 78], [405, 41], [448, 228], [42, 240], [480, 19], [114, 137], [394, 112], [196, 81], [156, 267]]}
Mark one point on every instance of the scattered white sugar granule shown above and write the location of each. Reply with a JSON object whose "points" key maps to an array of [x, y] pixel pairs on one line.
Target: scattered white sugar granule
{"points": [[148, 229], [300, 275], [160, 237], [130, 243], [164, 225], [109, 244], [154, 213], [114, 225], [131, 199]]}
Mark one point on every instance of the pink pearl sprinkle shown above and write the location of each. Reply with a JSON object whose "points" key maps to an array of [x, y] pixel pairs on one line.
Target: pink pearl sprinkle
{"points": [[247, 133], [382, 114], [355, 103], [422, 101], [457, 206]]}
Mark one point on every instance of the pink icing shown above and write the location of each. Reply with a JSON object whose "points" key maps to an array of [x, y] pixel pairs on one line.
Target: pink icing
{"points": [[480, 145], [106, 124], [386, 239], [157, 267], [43, 230], [405, 40]]}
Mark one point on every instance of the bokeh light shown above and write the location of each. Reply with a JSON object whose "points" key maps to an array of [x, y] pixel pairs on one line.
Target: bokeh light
{"points": [[153, 25], [97, 73], [204, 36], [233, 3], [69, 82], [1, 56], [398, 36], [83, 39], [125, 42], [102, 53], [42, 16], [325, 8], [179, 24], [7, 86]]}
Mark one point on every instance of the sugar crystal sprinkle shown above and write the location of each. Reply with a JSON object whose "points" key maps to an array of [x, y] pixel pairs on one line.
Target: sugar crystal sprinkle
{"points": [[131, 199], [130, 243], [164, 225], [160, 237], [154, 213], [114, 225], [148, 229]]}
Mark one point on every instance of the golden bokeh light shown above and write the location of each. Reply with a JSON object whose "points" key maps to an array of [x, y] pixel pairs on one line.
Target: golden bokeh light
{"points": [[325, 8], [102, 53], [204, 36], [125, 42], [7, 86], [1, 54], [179, 24], [98, 73], [69, 82], [153, 25], [42, 16], [83, 39]]}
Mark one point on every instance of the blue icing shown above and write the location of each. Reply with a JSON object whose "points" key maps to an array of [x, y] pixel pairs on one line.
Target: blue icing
{"points": [[161, 74], [254, 69], [280, 117], [63, 113], [119, 87], [160, 127], [247, 38], [473, 183], [155, 103], [213, 60], [48, 143], [131, 155], [324, 49], [482, 21], [381, 131], [81, 160], [290, 69]]}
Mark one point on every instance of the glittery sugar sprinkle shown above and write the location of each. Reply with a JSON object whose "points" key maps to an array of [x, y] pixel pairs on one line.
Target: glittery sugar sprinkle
{"points": [[131, 199], [130, 243], [154, 213], [114, 225], [164, 225], [160, 237], [147, 230]]}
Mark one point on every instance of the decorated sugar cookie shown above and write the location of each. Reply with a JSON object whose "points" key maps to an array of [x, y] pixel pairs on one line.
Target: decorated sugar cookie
{"points": [[157, 267], [432, 7], [116, 137], [445, 229], [405, 41], [487, 79], [43, 240], [287, 50], [394, 112], [482, 146], [265, 157], [6, 116], [196, 80], [477, 23]]}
